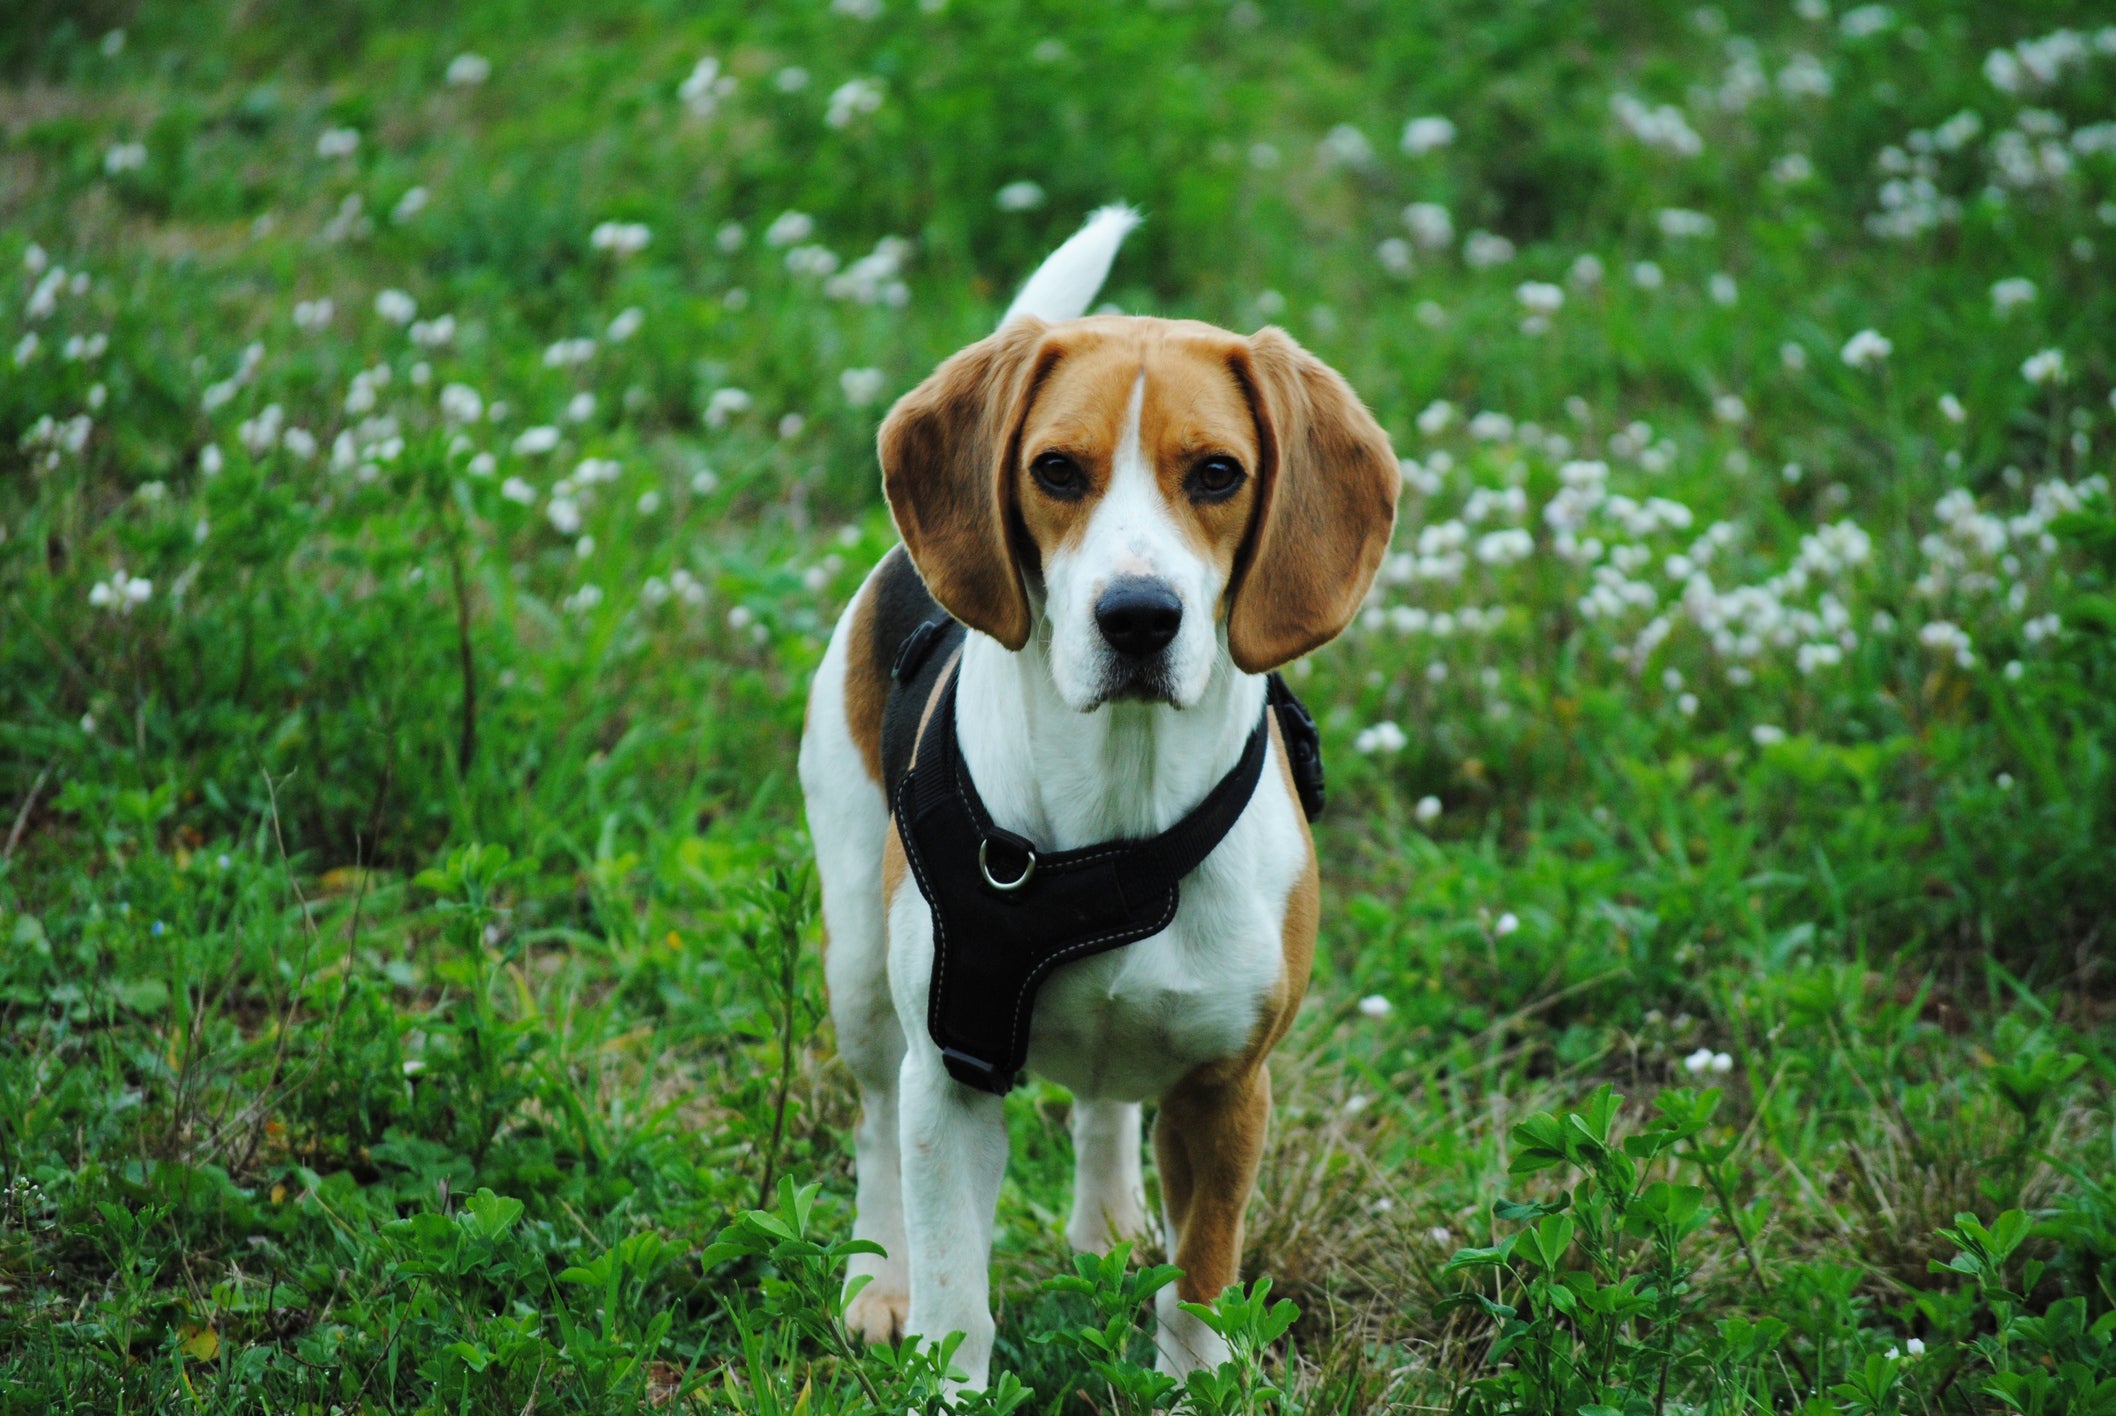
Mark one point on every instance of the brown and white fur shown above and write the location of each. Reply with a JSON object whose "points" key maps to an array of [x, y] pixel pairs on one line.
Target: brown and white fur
{"points": [[1239, 479]]}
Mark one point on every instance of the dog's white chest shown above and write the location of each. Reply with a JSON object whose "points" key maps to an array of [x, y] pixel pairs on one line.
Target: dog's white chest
{"points": [[1128, 1024]]}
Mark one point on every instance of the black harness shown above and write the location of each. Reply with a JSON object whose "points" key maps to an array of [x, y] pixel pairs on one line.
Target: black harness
{"points": [[1005, 913]]}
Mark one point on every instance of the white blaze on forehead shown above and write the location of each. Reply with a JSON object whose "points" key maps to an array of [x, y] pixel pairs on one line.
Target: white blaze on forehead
{"points": [[1132, 524]]}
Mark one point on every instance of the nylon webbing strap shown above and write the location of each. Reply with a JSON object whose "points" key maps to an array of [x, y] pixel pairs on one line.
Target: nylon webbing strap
{"points": [[1005, 914]]}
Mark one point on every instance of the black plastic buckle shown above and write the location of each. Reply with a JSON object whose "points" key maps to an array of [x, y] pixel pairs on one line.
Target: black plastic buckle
{"points": [[976, 1073], [1296, 725], [917, 644]]}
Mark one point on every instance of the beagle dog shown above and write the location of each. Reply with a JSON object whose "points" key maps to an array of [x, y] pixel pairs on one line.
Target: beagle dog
{"points": [[1136, 520]]}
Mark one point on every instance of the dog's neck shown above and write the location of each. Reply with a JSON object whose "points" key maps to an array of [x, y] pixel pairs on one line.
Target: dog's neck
{"points": [[1067, 779]]}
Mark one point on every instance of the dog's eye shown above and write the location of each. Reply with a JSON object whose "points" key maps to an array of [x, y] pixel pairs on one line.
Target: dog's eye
{"points": [[1059, 475], [1216, 478]]}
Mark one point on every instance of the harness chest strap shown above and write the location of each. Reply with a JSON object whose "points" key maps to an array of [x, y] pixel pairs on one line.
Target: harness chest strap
{"points": [[1005, 914]]}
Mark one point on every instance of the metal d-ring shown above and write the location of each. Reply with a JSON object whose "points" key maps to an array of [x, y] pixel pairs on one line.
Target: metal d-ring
{"points": [[1005, 885]]}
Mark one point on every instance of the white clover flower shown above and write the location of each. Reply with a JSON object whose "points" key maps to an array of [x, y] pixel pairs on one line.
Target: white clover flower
{"points": [[1586, 271], [533, 441], [1728, 408], [1506, 924], [1765, 734], [1540, 297], [626, 324], [338, 142], [584, 599], [1866, 349], [1427, 811], [121, 594], [1792, 169], [396, 307], [812, 260], [726, 403], [299, 442], [125, 157], [1951, 408], [789, 228], [852, 100], [433, 333], [1437, 415], [1663, 127], [1424, 135], [1722, 289], [410, 204], [469, 70], [1395, 256], [26, 348], [260, 433], [460, 403], [1682, 223], [861, 386], [1646, 275], [1345, 146], [312, 315], [1383, 737], [484, 464], [1805, 77], [2044, 367], [564, 514], [1793, 356], [1491, 426], [1023, 195], [1375, 1006], [2009, 294], [580, 407], [1482, 250], [1430, 225], [569, 353], [210, 460], [1822, 654], [702, 90], [1947, 638], [1505, 547], [620, 238], [516, 490]]}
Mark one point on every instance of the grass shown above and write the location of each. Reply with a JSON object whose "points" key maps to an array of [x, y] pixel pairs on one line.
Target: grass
{"points": [[409, 1000]]}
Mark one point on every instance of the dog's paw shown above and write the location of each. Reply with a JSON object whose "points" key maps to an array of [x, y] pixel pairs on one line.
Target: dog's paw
{"points": [[878, 1314]]}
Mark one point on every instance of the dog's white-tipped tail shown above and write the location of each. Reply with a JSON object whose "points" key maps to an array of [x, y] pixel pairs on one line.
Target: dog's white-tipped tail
{"points": [[1065, 284]]}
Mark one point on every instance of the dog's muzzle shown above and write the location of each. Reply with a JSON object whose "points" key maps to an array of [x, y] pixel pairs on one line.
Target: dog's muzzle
{"points": [[1138, 617]]}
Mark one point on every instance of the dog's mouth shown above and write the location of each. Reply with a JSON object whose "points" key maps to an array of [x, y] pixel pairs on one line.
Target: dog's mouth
{"points": [[1137, 683]]}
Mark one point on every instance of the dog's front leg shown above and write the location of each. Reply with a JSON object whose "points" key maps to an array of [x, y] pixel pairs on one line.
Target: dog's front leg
{"points": [[1208, 1139], [954, 1143]]}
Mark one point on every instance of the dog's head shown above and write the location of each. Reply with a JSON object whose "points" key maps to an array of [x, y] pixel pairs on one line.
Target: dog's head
{"points": [[1145, 493]]}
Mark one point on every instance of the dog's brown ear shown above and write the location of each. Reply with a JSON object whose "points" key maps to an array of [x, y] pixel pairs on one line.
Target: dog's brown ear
{"points": [[947, 450], [1325, 505]]}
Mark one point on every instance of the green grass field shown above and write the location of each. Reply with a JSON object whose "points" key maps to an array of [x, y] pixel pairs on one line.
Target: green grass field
{"points": [[433, 451]]}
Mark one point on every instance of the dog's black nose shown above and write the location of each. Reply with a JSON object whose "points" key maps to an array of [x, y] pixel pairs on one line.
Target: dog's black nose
{"points": [[1138, 616]]}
